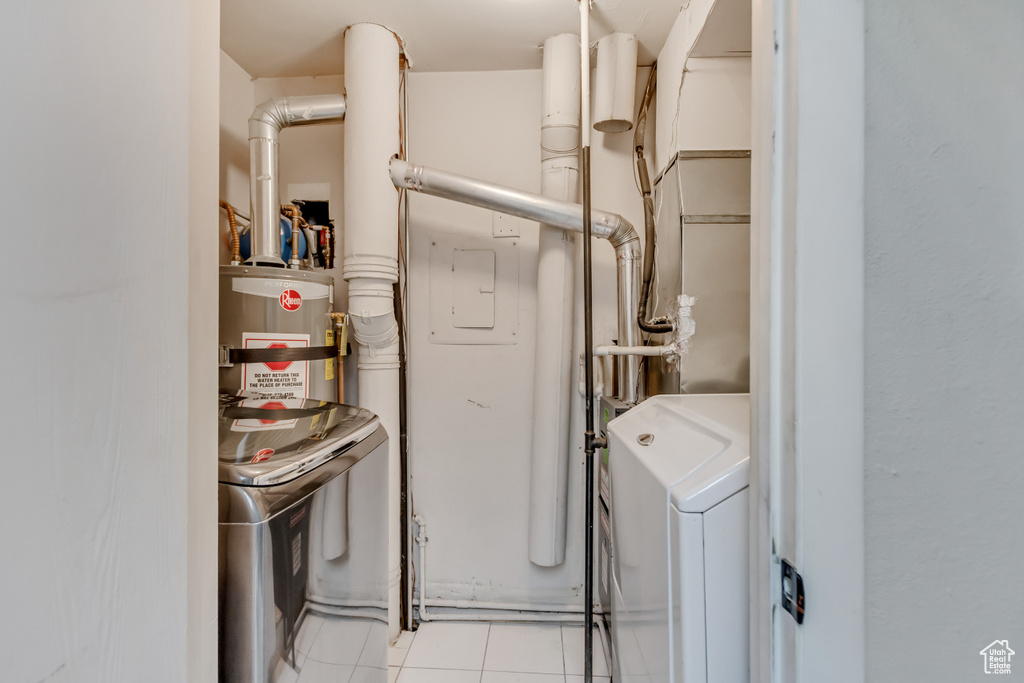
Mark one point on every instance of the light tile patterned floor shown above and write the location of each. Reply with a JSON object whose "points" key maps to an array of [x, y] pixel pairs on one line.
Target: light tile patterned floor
{"points": [[335, 651], [448, 652], [451, 652]]}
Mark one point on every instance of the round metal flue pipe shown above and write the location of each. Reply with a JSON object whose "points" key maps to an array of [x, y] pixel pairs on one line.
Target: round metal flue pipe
{"points": [[265, 126]]}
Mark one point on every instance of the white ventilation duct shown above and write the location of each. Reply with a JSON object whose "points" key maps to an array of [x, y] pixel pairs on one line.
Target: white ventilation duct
{"points": [[265, 126], [615, 88], [552, 372], [371, 252]]}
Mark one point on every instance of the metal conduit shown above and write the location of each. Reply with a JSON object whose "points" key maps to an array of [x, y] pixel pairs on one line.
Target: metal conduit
{"points": [[604, 224]]}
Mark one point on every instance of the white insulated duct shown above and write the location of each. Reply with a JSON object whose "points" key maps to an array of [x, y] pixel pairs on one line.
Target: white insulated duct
{"points": [[615, 89], [265, 126], [552, 372], [371, 252]]}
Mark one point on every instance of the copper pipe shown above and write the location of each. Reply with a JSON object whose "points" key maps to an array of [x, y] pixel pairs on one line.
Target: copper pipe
{"points": [[236, 255], [295, 214]]}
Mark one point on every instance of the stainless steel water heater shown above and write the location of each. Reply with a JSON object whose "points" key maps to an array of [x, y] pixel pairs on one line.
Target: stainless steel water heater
{"points": [[277, 337]]}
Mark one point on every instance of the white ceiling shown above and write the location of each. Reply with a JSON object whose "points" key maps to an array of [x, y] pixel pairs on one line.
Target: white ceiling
{"points": [[275, 38]]}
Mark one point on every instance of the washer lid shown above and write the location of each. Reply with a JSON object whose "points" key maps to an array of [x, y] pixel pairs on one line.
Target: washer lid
{"points": [[696, 445], [268, 441]]}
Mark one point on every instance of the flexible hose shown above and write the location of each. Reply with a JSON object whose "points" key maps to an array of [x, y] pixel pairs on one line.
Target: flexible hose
{"points": [[295, 214], [236, 256], [660, 325]]}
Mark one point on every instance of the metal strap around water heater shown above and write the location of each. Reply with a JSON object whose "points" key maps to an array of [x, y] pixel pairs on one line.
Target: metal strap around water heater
{"points": [[277, 355], [254, 413]]}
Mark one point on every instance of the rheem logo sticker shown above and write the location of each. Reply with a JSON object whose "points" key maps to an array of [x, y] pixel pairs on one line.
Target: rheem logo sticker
{"points": [[290, 300]]}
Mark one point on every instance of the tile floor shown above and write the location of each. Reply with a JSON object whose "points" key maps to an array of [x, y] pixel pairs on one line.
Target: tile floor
{"points": [[335, 651], [452, 652], [332, 651]]}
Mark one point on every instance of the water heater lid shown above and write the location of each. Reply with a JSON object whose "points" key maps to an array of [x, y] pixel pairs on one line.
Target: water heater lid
{"points": [[266, 441]]}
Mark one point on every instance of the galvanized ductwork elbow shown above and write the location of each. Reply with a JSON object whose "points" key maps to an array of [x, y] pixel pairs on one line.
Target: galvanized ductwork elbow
{"points": [[614, 228], [265, 126], [269, 118]]}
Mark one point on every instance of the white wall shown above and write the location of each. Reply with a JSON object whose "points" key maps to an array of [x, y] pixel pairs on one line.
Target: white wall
{"points": [[714, 106], [470, 406], [204, 26], [671, 61], [945, 319], [94, 501], [703, 102], [236, 104], [816, 326]]}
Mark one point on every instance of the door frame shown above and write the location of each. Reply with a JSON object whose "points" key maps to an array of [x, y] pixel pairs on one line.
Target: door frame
{"points": [[807, 337]]}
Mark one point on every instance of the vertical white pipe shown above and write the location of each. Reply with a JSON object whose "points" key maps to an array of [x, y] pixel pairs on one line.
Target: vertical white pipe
{"points": [[334, 533], [371, 139], [421, 570], [585, 70], [371, 252], [616, 83], [552, 374]]}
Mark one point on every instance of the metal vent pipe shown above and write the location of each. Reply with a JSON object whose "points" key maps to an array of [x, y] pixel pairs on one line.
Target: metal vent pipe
{"points": [[265, 126], [567, 216]]}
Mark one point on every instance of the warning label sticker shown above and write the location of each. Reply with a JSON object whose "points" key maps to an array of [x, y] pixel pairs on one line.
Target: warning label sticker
{"points": [[276, 379], [262, 425]]}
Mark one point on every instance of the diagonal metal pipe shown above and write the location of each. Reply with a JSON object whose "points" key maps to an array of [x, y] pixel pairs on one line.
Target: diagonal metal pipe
{"points": [[604, 224], [534, 207]]}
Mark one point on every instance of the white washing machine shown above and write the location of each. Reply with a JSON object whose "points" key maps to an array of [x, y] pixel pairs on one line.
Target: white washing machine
{"points": [[680, 481]]}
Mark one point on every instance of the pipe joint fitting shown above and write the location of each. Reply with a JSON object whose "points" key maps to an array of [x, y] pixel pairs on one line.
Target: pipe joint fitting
{"points": [[628, 253], [622, 233], [271, 116], [370, 267], [373, 321], [368, 334], [371, 360], [405, 175], [560, 140]]}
